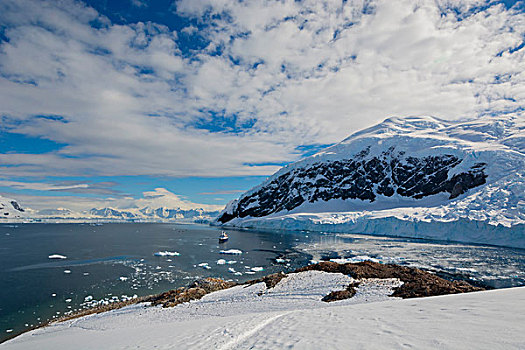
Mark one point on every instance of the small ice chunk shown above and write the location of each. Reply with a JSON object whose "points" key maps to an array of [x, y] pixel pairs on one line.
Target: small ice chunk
{"points": [[57, 256], [238, 273], [232, 270], [221, 262], [231, 251], [204, 265], [88, 298], [231, 262], [166, 253], [257, 269], [67, 272], [8, 330], [86, 274], [68, 300], [280, 261], [123, 278], [249, 272]]}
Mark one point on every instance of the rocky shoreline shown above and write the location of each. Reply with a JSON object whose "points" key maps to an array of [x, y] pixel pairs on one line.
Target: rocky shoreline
{"points": [[405, 282], [416, 283]]}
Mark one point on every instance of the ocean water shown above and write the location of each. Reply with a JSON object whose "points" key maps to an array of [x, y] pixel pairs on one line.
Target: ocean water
{"points": [[117, 261]]}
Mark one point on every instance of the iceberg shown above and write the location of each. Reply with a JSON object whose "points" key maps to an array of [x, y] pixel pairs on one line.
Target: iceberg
{"points": [[231, 252]]}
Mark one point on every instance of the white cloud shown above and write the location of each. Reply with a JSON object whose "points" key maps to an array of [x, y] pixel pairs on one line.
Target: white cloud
{"points": [[161, 197], [40, 186], [308, 72], [139, 3]]}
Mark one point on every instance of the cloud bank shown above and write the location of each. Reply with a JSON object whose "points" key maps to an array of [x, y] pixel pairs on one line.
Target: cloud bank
{"points": [[157, 198], [129, 99]]}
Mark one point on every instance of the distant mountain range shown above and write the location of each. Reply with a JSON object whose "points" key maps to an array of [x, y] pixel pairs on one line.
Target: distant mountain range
{"points": [[10, 210], [414, 177], [148, 213]]}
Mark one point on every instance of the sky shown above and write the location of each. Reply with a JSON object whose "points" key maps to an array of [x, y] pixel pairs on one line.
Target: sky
{"points": [[189, 103]]}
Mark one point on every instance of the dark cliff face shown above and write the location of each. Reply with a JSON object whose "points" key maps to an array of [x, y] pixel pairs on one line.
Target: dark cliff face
{"points": [[17, 206], [360, 178]]}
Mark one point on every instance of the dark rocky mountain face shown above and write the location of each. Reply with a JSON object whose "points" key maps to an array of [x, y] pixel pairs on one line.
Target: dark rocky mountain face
{"points": [[17, 206], [363, 178]]}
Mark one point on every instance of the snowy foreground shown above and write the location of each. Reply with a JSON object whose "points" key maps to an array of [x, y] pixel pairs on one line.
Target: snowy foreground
{"points": [[291, 315]]}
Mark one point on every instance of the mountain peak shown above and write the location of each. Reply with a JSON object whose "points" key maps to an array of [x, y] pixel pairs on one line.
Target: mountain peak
{"points": [[452, 170]]}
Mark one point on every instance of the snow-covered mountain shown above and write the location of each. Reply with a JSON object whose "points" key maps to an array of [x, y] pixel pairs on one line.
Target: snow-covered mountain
{"points": [[154, 214], [10, 209], [415, 177]]}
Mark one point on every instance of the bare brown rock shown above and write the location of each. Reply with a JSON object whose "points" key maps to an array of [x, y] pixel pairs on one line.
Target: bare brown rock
{"points": [[270, 280], [194, 291], [342, 294]]}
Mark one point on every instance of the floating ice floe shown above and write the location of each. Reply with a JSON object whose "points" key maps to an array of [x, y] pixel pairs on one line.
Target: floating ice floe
{"points": [[57, 256], [123, 278], [204, 265], [8, 330], [231, 262], [68, 300], [355, 259], [166, 253], [232, 270], [231, 251], [257, 269], [67, 272], [221, 262], [53, 295], [280, 261], [88, 298]]}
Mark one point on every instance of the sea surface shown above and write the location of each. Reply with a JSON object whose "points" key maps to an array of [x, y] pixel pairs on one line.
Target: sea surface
{"points": [[99, 263]]}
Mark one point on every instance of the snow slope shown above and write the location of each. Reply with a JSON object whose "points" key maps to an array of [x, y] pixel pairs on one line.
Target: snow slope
{"points": [[414, 177], [291, 316]]}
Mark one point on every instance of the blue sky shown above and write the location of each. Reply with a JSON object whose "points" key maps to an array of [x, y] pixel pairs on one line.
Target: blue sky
{"points": [[103, 103]]}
